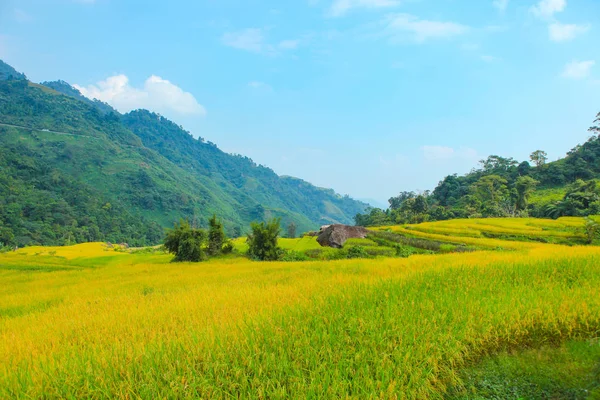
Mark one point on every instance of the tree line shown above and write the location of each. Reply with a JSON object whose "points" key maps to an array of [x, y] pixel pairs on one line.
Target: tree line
{"points": [[193, 244], [503, 187]]}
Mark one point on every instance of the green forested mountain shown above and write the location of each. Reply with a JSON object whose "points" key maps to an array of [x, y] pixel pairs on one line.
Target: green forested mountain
{"points": [[64, 88], [71, 171], [504, 187], [7, 72]]}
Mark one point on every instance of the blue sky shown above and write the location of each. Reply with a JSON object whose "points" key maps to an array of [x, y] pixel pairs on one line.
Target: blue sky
{"points": [[369, 97]]}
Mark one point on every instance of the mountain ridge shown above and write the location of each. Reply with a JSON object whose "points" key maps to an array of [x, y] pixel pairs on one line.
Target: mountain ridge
{"points": [[143, 165]]}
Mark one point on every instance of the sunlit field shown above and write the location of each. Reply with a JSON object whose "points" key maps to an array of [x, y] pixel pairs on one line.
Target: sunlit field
{"points": [[92, 321]]}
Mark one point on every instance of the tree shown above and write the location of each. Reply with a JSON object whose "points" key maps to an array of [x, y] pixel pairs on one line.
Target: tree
{"points": [[498, 164], [186, 243], [490, 188], [374, 217], [262, 241], [490, 196], [525, 185], [292, 230], [524, 168], [420, 204], [591, 229], [539, 157], [216, 236], [396, 202]]}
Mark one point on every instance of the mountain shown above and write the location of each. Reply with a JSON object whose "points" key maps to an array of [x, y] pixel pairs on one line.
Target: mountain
{"points": [[7, 72], [73, 172], [66, 89]]}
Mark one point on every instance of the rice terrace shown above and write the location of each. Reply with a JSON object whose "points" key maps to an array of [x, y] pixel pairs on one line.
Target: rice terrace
{"points": [[314, 199], [91, 321]]}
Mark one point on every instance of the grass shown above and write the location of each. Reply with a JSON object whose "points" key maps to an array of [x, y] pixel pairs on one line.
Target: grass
{"points": [[568, 371], [132, 325]]}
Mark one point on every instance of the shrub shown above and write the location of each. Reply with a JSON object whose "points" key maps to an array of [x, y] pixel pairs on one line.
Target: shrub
{"points": [[216, 237], [292, 255], [591, 229], [402, 251], [227, 247], [357, 252], [262, 241], [186, 243]]}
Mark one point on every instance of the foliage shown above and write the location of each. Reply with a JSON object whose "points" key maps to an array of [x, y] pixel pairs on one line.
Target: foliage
{"points": [[228, 247], [291, 230], [525, 185], [262, 241], [293, 255], [187, 243], [591, 229], [581, 199], [357, 252], [9, 73], [216, 237], [539, 157]]}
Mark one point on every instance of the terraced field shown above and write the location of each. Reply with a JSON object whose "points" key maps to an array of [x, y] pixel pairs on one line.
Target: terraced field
{"points": [[93, 321]]}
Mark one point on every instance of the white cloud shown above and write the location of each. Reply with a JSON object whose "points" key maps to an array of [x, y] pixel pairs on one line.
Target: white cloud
{"points": [[564, 32], [546, 9], [398, 25], [578, 69], [249, 40], [157, 95], [501, 5], [440, 153], [259, 85], [341, 7], [253, 40]]}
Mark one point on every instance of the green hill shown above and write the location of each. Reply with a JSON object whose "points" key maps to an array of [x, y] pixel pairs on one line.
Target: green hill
{"points": [[7, 72], [73, 172], [504, 187]]}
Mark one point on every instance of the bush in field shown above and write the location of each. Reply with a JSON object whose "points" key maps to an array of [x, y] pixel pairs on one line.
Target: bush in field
{"points": [[216, 237], [186, 243], [262, 241], [227, 247], [591, 229], [292, 255], [357, 252]]}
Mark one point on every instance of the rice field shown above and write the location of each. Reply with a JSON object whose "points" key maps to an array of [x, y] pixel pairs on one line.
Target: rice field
{"points": [[91, 321]]}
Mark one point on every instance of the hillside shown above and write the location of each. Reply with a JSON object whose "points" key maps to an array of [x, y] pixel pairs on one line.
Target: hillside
{"points": [[75, 173], [66, 89], [504, 187], [7, 72]]}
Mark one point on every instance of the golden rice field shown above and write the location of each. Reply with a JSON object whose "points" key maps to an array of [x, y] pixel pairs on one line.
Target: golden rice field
{"points": [[87, 321]]}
